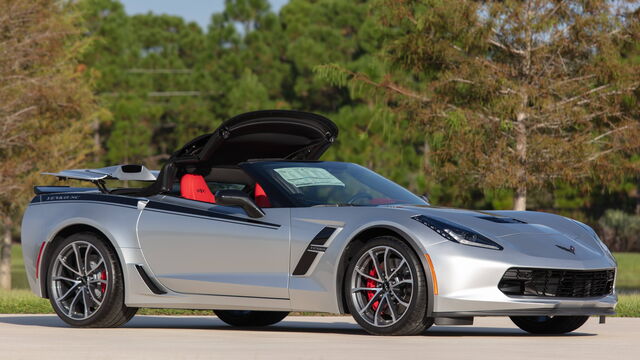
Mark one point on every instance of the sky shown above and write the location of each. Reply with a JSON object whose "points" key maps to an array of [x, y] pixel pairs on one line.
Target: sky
{"points": [[192, 10]]}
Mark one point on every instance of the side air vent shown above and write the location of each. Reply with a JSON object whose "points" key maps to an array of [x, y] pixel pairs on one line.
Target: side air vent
{"points": [[150, 283], [501, 220]]}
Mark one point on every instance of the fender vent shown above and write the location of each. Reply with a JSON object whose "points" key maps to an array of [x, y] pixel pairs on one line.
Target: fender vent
{"points": [[150, 283]]}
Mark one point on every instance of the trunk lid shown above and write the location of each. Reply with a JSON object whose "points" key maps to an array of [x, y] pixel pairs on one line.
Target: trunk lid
{"points": [[267, 134]]}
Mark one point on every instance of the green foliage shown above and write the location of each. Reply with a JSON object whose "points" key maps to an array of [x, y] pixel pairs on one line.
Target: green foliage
{"points": [[516, 96], [620, 231], [418, 91]]}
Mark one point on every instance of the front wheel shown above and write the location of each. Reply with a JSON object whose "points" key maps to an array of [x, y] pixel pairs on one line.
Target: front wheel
{"points": [[250, 318], [85, 283], [549, 324], [386, 288]]}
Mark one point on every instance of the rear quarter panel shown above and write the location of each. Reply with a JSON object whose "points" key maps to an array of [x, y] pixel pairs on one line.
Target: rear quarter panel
{"points": [[47, 215]]}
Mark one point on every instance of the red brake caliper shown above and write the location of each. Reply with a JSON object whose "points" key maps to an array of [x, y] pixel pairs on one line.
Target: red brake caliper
{"points": [[103, 286], [372, 284]]}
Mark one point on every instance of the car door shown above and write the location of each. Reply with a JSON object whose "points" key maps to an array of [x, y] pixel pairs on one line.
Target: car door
{"points": [[201, 248]]}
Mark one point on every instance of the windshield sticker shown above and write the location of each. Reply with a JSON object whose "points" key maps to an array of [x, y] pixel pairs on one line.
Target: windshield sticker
{"points": [[308, 176]]}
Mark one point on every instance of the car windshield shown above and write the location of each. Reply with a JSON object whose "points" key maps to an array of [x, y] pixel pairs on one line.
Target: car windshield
{"points": [[305, 184]]}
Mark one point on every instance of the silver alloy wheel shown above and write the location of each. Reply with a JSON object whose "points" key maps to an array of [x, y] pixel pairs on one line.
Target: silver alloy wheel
{"points": [[79, 280], [382, 286]]}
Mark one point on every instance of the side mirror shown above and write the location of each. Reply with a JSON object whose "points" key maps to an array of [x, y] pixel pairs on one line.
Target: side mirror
{"points": [[425, 197], [238, 198]]}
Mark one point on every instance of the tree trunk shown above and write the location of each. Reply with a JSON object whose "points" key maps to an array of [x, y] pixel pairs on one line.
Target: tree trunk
{"points": [[5, 256], [97, 142], [520, 196]]}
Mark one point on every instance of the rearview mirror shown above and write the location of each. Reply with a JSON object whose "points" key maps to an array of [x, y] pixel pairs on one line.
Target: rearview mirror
{"points": [[238, 198]]}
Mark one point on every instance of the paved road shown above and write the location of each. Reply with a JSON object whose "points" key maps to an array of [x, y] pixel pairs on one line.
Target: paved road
{"points": [[157, 337]]}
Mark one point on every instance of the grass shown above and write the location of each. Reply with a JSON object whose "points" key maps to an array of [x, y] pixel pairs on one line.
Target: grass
{"points": [[628, 305], [628, 271], [22, 301], [18, 274]]}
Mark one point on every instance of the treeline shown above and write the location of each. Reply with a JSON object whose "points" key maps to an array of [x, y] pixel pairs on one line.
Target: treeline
{"points": [[428, 93]]}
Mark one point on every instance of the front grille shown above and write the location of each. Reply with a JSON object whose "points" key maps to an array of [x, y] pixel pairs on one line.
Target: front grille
{"points": [[557, 283]]}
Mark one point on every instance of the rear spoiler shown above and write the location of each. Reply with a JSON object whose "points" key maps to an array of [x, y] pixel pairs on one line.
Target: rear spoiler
{"points": [[98, 176]]}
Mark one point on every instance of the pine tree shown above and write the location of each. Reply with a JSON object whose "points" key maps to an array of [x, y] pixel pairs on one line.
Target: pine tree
{"points": [[514, 94]]}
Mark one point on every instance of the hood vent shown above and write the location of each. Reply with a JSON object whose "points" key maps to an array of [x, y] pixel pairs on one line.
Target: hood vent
{"points": [[501, 220]]}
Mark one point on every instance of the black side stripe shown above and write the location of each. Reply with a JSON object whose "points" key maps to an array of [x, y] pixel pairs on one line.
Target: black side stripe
{"points": [[113, 199], [130, 201], [313, 249], [205, 213]]}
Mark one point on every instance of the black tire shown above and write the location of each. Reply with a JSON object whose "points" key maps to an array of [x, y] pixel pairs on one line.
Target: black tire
{"points": [[549, 325], [111, 312], [250, 318], [413, 320]]}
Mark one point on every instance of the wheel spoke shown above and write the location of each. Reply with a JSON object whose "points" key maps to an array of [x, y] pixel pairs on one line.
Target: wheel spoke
{"points": [[394, 285], [390, 305], [365, 289], [71, 289], [63, 278], [402, 263], [93, 298], [367, 276], [67, 266], [73, 303], [405, 304], [85, 303], [86, 258], [93, 269], [375, 264], [371, 301], [378, 311], [385, 260], [77, 253]]}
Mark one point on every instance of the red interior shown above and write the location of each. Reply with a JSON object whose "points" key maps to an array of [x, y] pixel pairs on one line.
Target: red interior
{"points": [[194, 187], [261, 197]]}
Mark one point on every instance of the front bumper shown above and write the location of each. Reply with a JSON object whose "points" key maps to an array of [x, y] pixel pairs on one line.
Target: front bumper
{"points": [[468, 280]]}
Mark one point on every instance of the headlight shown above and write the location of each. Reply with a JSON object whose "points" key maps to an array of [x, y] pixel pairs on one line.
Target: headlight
{"points": [[457, 233]]}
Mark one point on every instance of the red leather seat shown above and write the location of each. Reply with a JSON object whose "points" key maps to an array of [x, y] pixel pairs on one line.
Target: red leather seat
{"points": [[194, 187], [261, 197]]}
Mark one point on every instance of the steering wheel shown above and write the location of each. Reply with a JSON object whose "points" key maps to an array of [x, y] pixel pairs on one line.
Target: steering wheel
{"points": [[359, 196]]}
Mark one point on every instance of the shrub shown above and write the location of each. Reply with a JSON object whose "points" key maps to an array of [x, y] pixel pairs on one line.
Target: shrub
{"points": [[620, 230]]}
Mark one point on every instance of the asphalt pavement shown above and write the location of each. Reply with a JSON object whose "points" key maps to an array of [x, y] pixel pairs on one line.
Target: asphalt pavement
{"points": [[201, 337]]}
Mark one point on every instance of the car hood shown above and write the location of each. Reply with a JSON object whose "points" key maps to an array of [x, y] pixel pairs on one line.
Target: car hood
{"points": [[267, 134], [490, 223], [533, 233]]}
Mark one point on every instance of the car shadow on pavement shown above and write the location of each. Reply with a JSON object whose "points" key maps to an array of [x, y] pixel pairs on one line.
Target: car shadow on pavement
{"points": [[288, 325]]}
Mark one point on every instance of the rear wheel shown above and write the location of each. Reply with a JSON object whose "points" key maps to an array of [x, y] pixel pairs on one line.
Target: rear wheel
{"points": [[549, 324], [386, 288], [250, 317], [85, 283]]}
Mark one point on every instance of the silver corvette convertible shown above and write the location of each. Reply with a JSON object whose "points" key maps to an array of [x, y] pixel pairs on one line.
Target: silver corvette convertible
{"points": [[247, 221]]}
